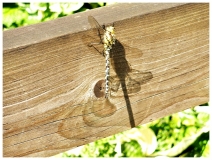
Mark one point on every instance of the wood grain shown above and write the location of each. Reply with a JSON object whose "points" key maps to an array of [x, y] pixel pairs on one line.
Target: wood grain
{"points": [[52, 81]]}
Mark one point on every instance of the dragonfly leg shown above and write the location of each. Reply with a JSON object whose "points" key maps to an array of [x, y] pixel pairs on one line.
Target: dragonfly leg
{"points": [[92, 45]]}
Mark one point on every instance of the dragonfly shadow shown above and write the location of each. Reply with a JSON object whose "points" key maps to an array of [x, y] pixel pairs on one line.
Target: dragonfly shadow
{"points": [[129, 79], [121, 67]]}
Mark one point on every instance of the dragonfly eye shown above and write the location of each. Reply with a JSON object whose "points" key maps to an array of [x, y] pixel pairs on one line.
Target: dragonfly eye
{"points": [[103, 26]]}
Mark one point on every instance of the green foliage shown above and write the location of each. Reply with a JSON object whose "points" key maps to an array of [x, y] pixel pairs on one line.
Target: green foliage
{"points": [[103, 148], [22, 14], [180, 130]]}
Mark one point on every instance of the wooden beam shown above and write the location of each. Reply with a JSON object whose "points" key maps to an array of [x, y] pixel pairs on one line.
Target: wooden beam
{"points": [[52, 81]]}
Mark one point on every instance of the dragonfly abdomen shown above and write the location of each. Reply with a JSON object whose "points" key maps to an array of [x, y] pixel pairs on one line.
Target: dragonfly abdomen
{"points": [[108, 40], [107, 72]]}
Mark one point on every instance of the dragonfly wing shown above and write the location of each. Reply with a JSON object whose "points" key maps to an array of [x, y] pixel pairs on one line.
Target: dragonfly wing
{"points": [[133, 81], [133, 86], [114, 83], [140, 76], [93, 22], [131, 50], [103, 108], [95, 26]]}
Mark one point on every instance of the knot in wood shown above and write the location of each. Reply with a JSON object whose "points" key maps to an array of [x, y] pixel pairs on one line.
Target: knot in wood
{"points": [[99, 89]]}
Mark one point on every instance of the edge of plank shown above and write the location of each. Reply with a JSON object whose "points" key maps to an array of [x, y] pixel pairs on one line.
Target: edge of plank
{"points": [[36, 33]]}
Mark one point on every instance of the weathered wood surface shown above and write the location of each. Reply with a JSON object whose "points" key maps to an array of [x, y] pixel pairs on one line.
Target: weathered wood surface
{"points": [[52, 100]]}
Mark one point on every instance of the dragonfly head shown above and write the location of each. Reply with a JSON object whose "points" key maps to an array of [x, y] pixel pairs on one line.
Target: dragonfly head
{"points": [[111, 29]]}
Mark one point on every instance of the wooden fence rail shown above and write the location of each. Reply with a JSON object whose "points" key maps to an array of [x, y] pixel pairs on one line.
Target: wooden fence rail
{"points": [[53, 98]]}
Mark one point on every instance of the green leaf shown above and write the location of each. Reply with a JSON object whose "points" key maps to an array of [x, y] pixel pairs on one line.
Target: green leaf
{"points": [[182, 145], [131, 149], [206, 151], [13, 15]]}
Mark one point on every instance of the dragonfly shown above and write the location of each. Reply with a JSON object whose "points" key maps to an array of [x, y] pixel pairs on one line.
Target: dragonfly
{"points": [[127, 78], [107, 38]]}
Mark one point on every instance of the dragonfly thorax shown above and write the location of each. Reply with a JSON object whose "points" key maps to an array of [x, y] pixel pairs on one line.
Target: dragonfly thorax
{"points": [[109, 37]]}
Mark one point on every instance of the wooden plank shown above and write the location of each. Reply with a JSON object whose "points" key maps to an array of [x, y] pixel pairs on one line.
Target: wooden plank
{"points": [[52, 96]]}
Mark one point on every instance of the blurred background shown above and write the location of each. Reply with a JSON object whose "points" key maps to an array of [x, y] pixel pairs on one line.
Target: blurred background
{"points": [[184, 134], [22, 14]]}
